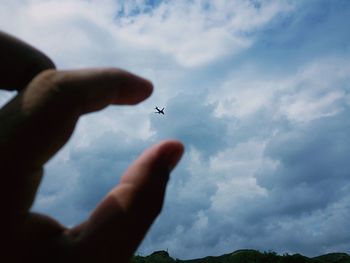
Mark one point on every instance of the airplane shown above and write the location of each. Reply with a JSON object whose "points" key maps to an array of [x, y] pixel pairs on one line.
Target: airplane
{"points": [[159, 111]]}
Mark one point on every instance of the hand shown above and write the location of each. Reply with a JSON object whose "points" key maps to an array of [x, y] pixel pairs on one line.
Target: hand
{"points": [[34, 125]]}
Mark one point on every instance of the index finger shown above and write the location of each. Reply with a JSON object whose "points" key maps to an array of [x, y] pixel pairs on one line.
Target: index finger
{"points": [[40, 120], [19, 62], [37, 122]]}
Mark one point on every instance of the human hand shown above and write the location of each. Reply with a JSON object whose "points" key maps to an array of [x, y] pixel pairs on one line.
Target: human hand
{"points": [[35, 124]]}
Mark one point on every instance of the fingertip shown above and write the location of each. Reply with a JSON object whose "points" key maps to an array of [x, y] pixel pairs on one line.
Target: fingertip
{"points": [[147, 88], [171, 152], [133, 88], [160, 160]]}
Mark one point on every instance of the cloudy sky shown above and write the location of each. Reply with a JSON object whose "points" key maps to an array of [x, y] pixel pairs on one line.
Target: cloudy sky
{"points": [[258, 91]]}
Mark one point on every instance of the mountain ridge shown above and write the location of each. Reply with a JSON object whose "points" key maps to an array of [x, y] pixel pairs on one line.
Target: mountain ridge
{"points": [[245, 256]]}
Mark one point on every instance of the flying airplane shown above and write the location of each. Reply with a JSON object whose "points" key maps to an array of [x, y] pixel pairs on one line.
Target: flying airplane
{"points": [[159, 111]]}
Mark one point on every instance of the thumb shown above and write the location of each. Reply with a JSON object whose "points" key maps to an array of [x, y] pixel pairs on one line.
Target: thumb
{"points": [[119, 223]]}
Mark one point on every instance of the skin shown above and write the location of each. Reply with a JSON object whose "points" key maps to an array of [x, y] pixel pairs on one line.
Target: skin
{"points": [[34, 125]]}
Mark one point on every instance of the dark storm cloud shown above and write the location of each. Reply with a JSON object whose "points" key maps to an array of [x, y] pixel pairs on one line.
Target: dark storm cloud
{"points": [[308, 195], [313, 153]]}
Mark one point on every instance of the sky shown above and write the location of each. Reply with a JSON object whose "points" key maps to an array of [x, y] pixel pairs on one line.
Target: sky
{"points": [[257, 90]]}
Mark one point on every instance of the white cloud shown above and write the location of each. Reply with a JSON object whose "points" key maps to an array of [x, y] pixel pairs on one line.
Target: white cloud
{"points": [[242, 160], [307, 107], [235, 192], [235, 171], [199, 32], [198, 186], [316, 90], [193, 33], [242, 95], [133, 122]]}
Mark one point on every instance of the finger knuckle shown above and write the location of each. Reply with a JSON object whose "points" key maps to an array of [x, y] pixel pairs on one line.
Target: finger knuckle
{"points": [[54, 81], [46, 82], [54, 86]]}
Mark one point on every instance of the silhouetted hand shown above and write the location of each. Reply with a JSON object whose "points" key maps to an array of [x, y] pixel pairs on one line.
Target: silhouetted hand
{"points": [[34, 125]]}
